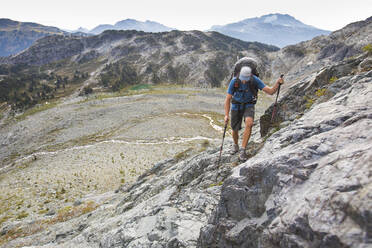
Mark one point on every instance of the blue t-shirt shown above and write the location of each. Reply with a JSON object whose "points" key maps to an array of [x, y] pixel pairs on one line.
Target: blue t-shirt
{"points": [[243, 94]]}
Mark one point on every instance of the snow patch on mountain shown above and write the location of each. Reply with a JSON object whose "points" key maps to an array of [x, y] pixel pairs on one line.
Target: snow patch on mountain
{"points": [[270, 18]]}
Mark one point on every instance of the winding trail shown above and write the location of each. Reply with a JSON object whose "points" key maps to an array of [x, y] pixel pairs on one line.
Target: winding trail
{"points": [[168, 141], [211, 121]]}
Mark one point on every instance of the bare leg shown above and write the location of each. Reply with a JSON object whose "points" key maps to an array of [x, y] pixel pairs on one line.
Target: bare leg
{"points": [[235, 135], [247, 131]]}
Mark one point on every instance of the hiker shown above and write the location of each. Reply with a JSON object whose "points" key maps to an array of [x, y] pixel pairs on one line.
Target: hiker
{"points": [[242, 94]]}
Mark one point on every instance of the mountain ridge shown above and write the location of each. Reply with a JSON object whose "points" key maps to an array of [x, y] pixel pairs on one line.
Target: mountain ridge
{"points": [[26, 39], [16, 36], [276, 29], [132, 24]]}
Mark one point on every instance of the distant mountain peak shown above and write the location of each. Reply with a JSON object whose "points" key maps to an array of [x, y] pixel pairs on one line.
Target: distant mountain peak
{"points": [[275, 29], [132, 24], [270, 18], [128, 20], [81, 29]]}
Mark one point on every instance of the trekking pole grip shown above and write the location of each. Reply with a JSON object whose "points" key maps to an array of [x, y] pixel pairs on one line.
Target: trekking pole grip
{"points": [[277, 95]]}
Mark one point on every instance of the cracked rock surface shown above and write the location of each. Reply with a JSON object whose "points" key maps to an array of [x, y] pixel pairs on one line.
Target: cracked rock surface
{"points": [[166, 207], [310, 184]]}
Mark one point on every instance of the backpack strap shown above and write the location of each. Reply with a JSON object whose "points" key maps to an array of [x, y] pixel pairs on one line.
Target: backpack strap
{"points": [[254, 89], [236, 84]]}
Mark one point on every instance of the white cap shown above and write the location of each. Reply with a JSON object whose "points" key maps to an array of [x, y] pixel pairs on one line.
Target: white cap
{"points": [[245, 73]]}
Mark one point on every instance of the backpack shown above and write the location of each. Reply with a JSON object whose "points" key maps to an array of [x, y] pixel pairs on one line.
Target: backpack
{"points": [[246, 61]]}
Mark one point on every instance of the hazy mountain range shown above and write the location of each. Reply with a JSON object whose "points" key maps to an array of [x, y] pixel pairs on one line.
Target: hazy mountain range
{"points": [[131, 24], [275, 29]]}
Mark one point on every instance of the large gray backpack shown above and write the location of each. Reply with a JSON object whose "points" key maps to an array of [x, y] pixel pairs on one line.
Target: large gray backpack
{"points": [[246, 61]]}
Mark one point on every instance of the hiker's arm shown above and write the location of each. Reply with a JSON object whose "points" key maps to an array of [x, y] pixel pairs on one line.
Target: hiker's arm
{"points": [[227, 107], [272, 90]]}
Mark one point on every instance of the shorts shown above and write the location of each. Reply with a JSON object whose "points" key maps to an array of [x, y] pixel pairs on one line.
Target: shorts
{"points": [[238, 115]]}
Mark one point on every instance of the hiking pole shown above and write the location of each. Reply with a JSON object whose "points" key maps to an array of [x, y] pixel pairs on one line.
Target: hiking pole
{"points": [[223, 138], [276, 101]]}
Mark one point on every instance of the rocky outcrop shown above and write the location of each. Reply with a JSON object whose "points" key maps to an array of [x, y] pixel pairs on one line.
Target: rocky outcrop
{"points": [[313, 89], [309, 185], [166, 207], [299, 60]]}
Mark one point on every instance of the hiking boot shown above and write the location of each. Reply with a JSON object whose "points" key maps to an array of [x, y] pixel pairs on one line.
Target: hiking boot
{"points": [[243, 156], [234, 149]]}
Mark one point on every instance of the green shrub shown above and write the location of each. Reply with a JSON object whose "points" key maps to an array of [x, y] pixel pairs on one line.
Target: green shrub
{"points": [[294, 50], [119, 75], [309, 102], [191, 41], [368, 49], [86, 91], [320, 92], [333, 79], [216, 184], [177, 74], [26, 86]]}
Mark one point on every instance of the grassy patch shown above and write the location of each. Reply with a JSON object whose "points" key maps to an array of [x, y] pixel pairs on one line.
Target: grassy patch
{"points": [[36, 109], [70, 212], [81, 141], [4, 219], [368, 49], [182, 155], [22, 215], [63, 214], [43, 211], [309, 102], [140, 87], [160, 89], [204, 145], [13, 156], [332, 79], [215, 184], [320, 92]]}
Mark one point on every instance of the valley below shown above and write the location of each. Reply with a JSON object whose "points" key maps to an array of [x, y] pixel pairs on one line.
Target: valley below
{"points": [[66, 154]]}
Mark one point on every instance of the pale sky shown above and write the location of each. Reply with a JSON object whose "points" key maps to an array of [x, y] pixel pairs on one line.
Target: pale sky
{"points": [[183, 15]]}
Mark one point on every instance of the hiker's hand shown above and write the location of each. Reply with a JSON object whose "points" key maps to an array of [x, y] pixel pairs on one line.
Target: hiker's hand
{"points": [[226, 119], [280, 80]]}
